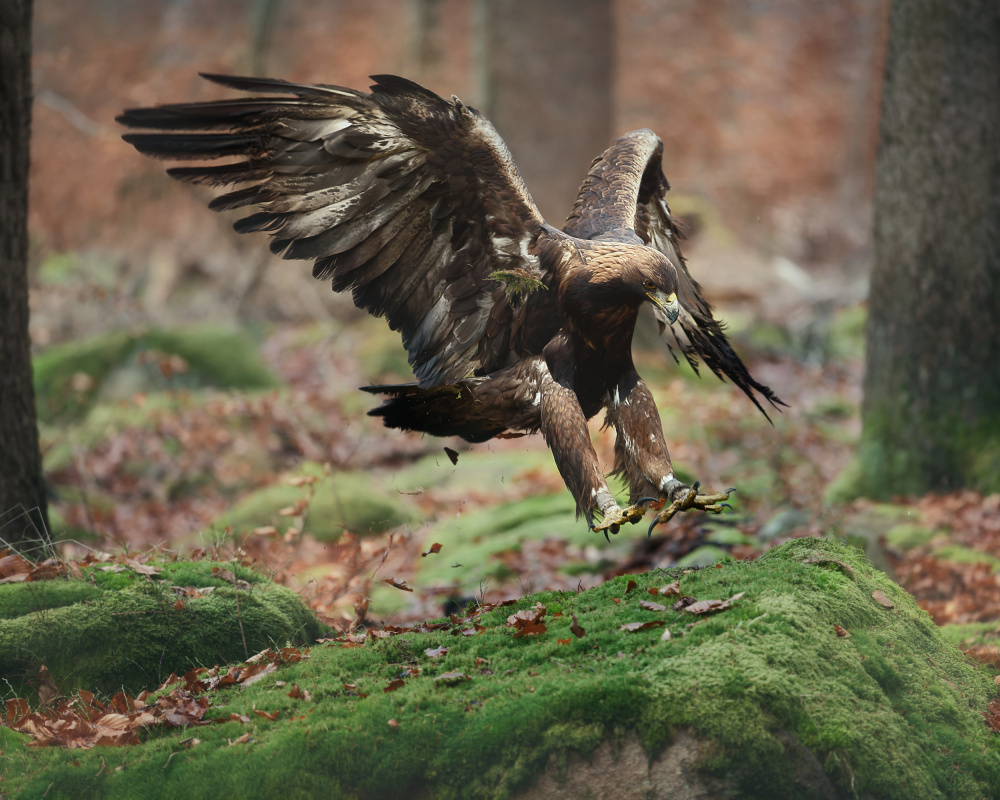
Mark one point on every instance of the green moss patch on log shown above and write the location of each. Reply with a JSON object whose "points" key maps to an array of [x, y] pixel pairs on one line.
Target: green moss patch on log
{"points": [[107, 630], [891, 711]]}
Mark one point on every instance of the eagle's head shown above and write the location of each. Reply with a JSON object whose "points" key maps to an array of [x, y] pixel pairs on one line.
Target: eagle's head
{"points": [[653, 277]]}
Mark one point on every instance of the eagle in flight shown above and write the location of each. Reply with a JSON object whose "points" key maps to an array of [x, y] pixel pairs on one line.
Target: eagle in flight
{"points": [[413, 204]]}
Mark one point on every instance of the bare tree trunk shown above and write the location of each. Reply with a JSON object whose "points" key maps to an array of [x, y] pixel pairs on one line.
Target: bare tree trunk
{"points": [[23, 511], [546, 80], [931, 413]]}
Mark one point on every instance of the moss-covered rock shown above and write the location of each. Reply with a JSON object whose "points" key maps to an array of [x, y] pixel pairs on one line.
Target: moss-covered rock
{"points": [[341, 501], [763, 700], [70, 377], [108, 629]]}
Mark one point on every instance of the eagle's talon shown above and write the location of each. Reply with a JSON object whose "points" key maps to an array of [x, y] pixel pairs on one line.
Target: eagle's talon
{"points": [[687, 498]]}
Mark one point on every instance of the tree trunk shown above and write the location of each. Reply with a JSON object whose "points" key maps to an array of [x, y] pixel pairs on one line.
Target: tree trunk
{"points": [[546, 82], [931, 411], [23, 511]]}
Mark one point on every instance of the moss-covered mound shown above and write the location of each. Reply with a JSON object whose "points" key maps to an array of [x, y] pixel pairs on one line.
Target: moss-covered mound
{"points": [[338, 502], [764, 699], [115, 628], [70, 377]]}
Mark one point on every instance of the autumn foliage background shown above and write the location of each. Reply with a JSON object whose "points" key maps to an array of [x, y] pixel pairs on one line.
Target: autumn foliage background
{"points": [[769, 115]]}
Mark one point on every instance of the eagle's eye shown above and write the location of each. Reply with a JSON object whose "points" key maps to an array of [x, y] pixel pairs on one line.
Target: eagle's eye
{"points": [[649, 285]]}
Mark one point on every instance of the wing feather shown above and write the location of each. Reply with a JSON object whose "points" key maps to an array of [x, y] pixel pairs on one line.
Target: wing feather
{"points": [[408, 200], [623, 197]]}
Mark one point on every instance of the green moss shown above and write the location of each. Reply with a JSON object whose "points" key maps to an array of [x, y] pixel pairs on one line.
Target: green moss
{"points": [[965, 555], [353, 501], [909, 535], [893, 711], [110, 630], [70, 377]]}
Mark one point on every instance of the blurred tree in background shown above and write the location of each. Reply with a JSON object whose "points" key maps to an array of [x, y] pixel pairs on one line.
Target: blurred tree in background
{"points": [[23, 512], [931, 411], [552, 105]]}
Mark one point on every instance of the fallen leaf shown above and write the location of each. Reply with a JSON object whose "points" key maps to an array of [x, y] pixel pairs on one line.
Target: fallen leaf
{"points": [[434, 548], [708, 606], [843, 633], [646, 604], [530, 629], [631, 627], [242, 740], [435, 652], [452, 454], [683, 603], [452, 677], [563, 641], [271, 715], [398, 583], [630, 586], [576, 629], [299, 694], [881, 598], [394, 685]]}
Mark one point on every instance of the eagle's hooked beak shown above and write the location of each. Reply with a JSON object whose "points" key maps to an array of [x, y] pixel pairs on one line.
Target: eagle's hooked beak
{"points": [[667, 303]]}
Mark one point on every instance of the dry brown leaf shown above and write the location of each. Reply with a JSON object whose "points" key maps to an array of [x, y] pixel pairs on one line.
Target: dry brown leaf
{"points": [[576, 629], [434, 548], [398, 583], [435, 652], [649, 606], [631, 627], [881, 598], [708, 606], [843, 633], [393, 685], [271, 715]]}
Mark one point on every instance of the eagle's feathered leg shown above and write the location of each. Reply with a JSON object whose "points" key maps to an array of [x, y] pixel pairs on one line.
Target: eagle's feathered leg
{"points": [[564, 426], [641, 456]]}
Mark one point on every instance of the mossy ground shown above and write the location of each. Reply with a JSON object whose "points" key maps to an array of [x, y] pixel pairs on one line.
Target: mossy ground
{"points": [[892, 711], [338, 502], [108, 631], [111, 366]]}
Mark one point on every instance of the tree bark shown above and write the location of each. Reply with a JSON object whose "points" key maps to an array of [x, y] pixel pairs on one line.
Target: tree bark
{"points": [[546, 78], [23, 510], [931, 411]]}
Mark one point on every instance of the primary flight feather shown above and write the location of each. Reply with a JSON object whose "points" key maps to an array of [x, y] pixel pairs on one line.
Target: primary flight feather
{"points": [[413, 204]]}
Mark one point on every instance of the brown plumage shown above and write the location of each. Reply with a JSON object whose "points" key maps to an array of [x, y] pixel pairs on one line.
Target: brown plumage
{"points": [[412, 203]]}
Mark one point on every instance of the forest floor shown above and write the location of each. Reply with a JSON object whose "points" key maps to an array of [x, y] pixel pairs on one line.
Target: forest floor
{"points": [[168, 465]]}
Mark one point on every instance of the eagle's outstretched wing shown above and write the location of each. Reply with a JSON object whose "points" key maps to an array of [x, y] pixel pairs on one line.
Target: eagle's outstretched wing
{"points": [[624, 197], [409, 200]]}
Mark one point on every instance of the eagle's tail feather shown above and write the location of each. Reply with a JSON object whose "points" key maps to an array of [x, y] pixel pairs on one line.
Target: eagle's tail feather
{"points": [[446, 410]]}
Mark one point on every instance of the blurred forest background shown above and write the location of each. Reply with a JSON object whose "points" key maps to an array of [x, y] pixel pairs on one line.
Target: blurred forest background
{"points": [[196, 392]]}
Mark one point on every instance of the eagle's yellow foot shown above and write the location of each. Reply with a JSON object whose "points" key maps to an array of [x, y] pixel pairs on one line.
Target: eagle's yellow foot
{"points": [[687, 498], [615, 517]]}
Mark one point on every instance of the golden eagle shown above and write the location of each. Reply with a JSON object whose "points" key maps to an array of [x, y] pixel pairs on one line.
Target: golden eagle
{"points": [[413, 203]]}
